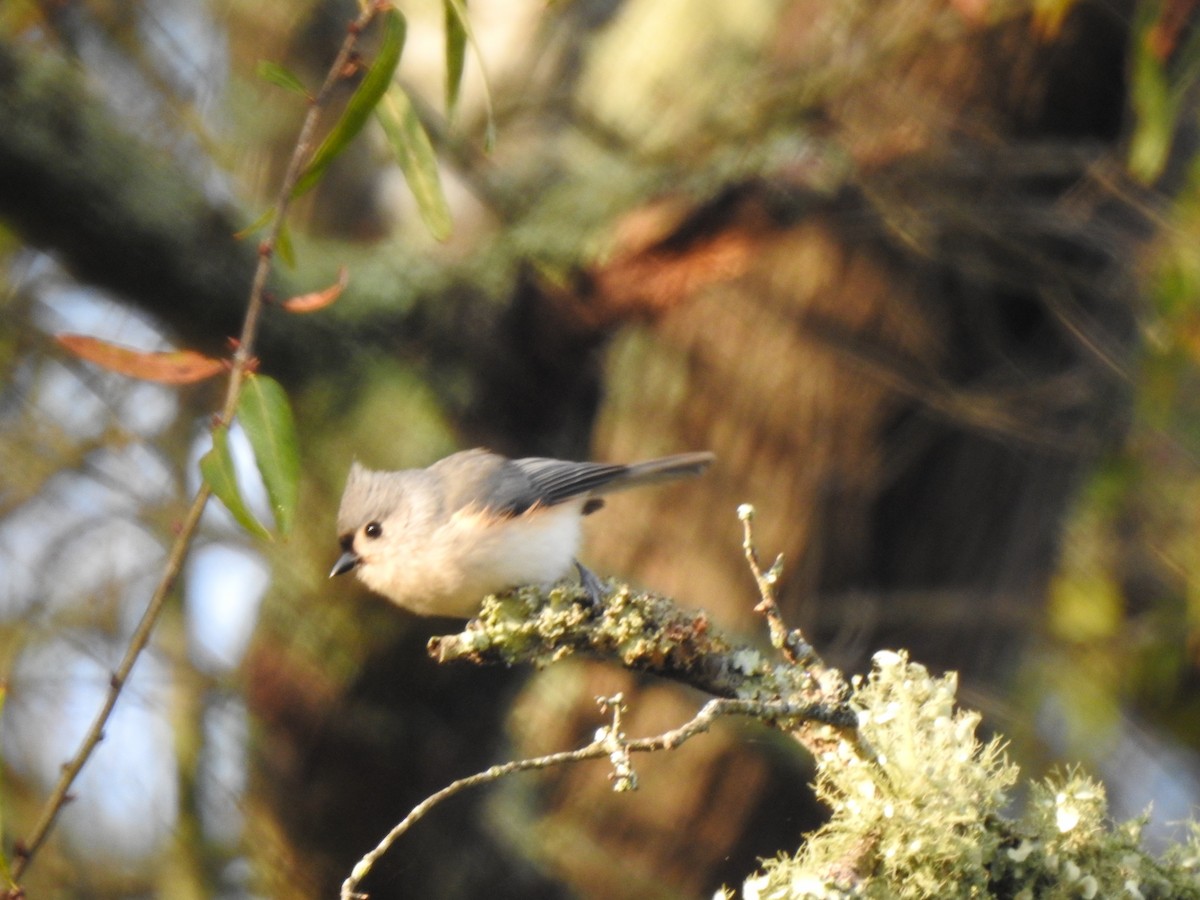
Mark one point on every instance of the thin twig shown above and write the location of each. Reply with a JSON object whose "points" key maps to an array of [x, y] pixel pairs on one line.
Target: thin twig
{"points": [[609, 743], [790, 642], [27, 850], [623, 777]]}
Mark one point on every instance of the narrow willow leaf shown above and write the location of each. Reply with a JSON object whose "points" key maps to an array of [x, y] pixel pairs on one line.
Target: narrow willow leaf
{"points": [[1048, 18], [217, 468], [370, 90], [261, 222], [281, 77], [456, 54], [414, 154], [458, 9], [169, 367], [1154, 118], [266, 417], [284, 248], [1161, 80]]}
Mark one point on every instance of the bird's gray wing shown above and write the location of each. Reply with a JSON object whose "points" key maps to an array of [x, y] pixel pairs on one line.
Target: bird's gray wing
{"points": [[509, 487], [512, 486], [556, 480]]}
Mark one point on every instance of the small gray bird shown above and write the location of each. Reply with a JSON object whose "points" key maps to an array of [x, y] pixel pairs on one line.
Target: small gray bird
{"points": [[436, 541]]}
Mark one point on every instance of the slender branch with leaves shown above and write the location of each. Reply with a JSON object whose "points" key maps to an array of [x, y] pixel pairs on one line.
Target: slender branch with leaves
{"points": [[258, 402]]}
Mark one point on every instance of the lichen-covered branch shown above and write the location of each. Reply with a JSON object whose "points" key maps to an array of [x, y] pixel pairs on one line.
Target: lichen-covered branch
{"points": [[920, 806], [644, 632]]}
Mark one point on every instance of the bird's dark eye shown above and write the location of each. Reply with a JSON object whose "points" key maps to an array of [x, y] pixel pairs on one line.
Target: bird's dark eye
{"points": [[373, 530]]}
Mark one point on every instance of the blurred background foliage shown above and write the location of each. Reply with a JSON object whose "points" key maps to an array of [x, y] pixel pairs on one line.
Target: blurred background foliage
{"points": [[923, 274]]}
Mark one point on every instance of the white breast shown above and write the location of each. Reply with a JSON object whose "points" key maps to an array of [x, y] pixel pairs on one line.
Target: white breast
{"points": [[449, 571]]}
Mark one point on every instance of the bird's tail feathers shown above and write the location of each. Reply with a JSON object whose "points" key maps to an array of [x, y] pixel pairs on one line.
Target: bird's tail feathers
{"points": [[652, 471]]}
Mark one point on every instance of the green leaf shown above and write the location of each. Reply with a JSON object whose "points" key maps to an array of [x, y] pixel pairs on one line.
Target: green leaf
{"points": [[280, 77], [1155, 113], [416, 158], [370, 90], [217, 468], [1162, 79], [266, 417], [456, 54], [458, 9], [265, 219], [284, 247]]}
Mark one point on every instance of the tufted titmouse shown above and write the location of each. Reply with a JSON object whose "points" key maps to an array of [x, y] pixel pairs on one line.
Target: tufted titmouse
{"points": [[437, 540]]}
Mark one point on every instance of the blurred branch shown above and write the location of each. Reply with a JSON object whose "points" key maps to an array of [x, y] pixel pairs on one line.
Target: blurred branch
{"points": [[117, 212], [140, 225], [242, 362]]}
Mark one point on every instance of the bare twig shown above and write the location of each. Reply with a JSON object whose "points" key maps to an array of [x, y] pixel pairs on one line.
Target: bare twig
{"points": [[609, 743], [242, 362], [623, 777], [790, 642]]}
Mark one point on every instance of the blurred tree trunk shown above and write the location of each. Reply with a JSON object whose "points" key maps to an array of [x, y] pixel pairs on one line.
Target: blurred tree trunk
{"points": [[907, 359], [908, 372]]}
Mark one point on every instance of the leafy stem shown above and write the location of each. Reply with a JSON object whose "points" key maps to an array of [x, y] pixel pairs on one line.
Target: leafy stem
{"points": [[242, 364]]}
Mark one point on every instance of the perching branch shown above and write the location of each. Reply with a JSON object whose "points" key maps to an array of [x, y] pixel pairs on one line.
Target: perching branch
{"points": [[242, 363], [644, 632]]}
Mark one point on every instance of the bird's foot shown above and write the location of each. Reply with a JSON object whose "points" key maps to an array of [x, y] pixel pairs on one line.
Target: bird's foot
{"points": [[590, 583]]}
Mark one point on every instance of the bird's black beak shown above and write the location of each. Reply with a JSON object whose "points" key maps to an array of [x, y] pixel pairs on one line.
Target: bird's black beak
{"points": [[345, 563]]}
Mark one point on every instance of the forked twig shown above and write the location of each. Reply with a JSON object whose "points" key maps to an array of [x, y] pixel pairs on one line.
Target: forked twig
{"points": [[609, 742], [790, 642]]}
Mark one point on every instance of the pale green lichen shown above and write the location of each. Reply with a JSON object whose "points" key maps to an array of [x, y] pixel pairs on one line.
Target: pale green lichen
{"points": [[925, 817], [645, 632]]}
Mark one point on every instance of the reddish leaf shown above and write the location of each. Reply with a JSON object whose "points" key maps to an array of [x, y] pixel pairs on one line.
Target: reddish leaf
{"points": [[306, 303], [174, 367]]}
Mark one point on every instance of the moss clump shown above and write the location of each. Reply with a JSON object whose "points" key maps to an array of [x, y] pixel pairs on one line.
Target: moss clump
{"points": [[924, 818]]}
